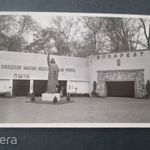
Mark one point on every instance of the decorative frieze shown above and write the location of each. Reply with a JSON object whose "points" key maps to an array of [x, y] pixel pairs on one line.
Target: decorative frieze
{"points": [[132, 75]]}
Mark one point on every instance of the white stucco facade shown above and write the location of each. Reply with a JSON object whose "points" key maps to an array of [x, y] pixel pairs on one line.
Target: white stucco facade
{"points": [[79, 73], [125, 61], [27, 66]]}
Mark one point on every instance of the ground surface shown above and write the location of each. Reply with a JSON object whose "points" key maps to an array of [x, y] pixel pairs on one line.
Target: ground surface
{"points": [[81, 110]]}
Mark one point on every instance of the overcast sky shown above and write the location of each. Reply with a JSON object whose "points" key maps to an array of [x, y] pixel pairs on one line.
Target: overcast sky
{"points": [[43, 20]]}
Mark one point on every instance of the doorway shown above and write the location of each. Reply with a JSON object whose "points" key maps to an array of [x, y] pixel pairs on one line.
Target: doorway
{"points": [[21, 87], [62, 86], [120, 89], [39, 87]]}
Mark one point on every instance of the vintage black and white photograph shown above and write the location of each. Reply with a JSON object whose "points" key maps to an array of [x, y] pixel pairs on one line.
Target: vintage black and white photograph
{"points": [[74, 68]]}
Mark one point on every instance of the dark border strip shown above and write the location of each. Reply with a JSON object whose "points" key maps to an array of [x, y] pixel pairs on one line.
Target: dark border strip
{"points": [[84, 6]]}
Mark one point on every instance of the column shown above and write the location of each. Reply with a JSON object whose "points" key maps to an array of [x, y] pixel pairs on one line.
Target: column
{"points": [[11, 87], [31, 86], [68, 86]]}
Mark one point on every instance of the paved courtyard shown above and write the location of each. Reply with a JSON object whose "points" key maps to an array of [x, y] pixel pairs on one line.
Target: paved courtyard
{"points": [[81, 110]]}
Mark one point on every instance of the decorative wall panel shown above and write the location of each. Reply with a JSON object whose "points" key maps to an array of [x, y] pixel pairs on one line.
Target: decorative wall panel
{"points": [[124, 75]]}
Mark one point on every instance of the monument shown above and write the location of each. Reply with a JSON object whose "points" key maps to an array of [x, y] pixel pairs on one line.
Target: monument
{"points": [[52, 85]]}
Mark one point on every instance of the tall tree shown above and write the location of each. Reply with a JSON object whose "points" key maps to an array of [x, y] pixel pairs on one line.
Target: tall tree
{"points": [[21, 25], [13, 30], [146, 32], [66, 31], [5, 27], [42, 41], [93, 37], [59, 36], [123, 33]]}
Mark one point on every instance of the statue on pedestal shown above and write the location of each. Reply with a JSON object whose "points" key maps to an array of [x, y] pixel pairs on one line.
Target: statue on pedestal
{"points": [[53, 71], [52, 85]]}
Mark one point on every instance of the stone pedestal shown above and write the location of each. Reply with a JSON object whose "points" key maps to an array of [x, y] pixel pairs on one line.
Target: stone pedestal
{"points": [[50, 96]]}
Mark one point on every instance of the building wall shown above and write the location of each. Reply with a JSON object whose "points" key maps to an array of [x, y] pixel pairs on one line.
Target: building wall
{"points": [[81, 87], [78, 72], [15, 65], [27, 66], [129, 61], [5, 86]]}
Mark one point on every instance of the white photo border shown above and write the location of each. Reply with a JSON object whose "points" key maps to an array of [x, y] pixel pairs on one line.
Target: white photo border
{"points": [[74, 125]]}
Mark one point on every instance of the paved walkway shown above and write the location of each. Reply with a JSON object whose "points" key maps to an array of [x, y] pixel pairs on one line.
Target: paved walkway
{"points": [[81, 110]]}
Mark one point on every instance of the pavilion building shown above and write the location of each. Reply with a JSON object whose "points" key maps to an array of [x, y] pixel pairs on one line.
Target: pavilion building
{"points": [[122, 74]]}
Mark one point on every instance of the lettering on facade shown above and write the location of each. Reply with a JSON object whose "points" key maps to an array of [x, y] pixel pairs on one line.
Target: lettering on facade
{"points": [[33, 68], [18, 67], [12, 67], [118, 62], [21, 76], [61, 69], [134, 54], [42, 68], [29, 67], [70, 70]]}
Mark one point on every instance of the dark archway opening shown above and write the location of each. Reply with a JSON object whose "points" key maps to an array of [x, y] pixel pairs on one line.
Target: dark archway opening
{"points": [[120, 89]]}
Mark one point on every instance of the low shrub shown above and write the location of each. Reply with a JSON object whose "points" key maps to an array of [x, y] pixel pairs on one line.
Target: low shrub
{"points": [[5, 94], [148, 89]]}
